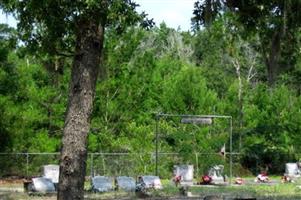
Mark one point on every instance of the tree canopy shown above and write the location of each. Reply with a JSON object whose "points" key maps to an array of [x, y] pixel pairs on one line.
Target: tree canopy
{"points": [[222, 67]]}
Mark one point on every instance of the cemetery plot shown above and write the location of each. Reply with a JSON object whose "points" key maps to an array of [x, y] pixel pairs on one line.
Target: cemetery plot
{"points": [[47, 183]]}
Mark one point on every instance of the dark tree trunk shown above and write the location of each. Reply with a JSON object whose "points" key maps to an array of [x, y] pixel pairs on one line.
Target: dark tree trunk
{"points": [[208, 13], [272, 59], [85, 66]]}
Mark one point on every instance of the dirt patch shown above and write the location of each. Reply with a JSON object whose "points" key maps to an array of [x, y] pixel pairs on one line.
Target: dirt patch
{"points": [[11, 180], [24, 196]]}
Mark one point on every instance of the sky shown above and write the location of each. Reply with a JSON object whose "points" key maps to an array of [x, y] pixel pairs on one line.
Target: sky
{"points": [[175, 13], [7, 19]]}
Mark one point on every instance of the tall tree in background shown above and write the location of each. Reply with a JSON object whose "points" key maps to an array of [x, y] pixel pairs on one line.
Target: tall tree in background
{"points": [[275, 22], [7, 82], [205, 12], [75, 29]]}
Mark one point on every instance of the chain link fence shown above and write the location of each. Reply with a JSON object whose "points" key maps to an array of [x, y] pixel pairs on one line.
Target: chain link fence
{"points": [[121, 164]]}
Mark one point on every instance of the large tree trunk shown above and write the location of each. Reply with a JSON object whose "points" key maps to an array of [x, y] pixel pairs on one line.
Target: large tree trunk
{"points": [[208, 13], [240, 100], [77, 122], [272, 59]]}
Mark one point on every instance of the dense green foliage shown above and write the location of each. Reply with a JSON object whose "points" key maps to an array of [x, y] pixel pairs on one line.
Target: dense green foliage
{"points": [[216, 70], [275, 23]]}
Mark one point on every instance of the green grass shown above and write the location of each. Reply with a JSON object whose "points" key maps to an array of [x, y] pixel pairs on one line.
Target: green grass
{"points": [[275, 191], [278, 191], [284, 191]]}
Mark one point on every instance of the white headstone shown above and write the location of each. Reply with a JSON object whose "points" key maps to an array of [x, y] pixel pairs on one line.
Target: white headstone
{"points": [[292, 169], [42, 184], [51, 172], [184, 171]]}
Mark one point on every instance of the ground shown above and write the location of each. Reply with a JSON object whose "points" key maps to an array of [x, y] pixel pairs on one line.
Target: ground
{"points": [[276, 190]]}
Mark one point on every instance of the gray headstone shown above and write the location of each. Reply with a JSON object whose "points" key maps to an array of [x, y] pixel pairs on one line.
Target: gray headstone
{"points": [[152, 182], [126, 183], [102, 184], [51, 172], [42, 184], [216, 173]]}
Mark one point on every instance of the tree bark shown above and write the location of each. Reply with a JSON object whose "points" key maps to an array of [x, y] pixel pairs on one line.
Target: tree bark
{"points": [[208, 13], [240, 100], [89, 44], [272, 60]]}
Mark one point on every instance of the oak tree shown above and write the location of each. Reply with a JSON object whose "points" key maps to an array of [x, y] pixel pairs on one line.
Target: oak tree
{"points": [[73, 29]]}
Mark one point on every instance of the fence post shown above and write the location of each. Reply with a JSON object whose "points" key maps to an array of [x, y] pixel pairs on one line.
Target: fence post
{"points": [[92, 167], [231, 162], [157, 146], [197, 164], [103, 164], [27, 164]]}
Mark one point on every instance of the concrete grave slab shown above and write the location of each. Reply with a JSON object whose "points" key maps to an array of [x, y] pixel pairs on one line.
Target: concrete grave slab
{"points": [[102, 184], [126, 183], [42, 184]]}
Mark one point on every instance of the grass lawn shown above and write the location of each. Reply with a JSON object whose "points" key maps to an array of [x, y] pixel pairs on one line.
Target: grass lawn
{"points": [[277, 191], [283, 191]]}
